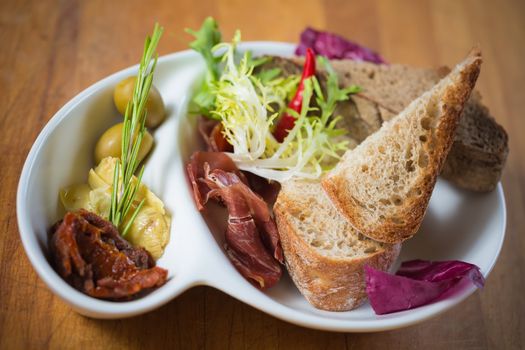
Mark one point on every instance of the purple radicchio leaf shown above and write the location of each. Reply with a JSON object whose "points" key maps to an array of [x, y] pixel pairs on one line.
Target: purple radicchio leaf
{"points": [[417, 283], [333, 46]]}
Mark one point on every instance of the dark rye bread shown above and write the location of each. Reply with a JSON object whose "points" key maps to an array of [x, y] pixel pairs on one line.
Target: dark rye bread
{"points": [[383, 186], [479, 152], [480, 147], [324, 254]]}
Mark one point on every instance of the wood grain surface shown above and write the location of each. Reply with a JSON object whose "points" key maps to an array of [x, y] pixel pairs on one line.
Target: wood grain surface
{"points": [[52, 50]]}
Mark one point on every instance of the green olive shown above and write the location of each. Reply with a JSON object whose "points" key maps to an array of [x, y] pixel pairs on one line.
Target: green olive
{"points": [[109, 144], [154, 104]]}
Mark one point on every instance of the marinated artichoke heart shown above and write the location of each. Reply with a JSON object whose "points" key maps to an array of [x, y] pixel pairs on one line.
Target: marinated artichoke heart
{"points": [[152, 224]]}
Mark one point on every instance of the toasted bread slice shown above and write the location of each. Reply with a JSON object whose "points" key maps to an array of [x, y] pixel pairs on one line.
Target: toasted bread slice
{"points": [[324, 254], [383, 186]]}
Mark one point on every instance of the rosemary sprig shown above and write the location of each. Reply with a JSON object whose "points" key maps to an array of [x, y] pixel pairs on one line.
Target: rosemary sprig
{"points": [[125, 187]]}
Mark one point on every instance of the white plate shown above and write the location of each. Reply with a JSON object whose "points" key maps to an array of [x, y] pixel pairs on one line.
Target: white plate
{"points": [[459, 225]]}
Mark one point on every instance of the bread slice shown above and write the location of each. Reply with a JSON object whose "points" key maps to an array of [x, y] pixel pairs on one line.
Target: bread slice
{"points": [[324, 254], [383, 186], [392, 87], [480, 147], [479, 152]]}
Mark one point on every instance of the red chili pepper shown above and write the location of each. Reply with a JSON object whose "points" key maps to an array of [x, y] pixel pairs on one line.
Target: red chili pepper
{"points": [[287, 122]]}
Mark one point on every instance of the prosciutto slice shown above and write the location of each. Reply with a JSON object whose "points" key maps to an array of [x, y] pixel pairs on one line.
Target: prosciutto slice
{"points": [[252, 240], [195, 170], [244, 205], [265, 188]]}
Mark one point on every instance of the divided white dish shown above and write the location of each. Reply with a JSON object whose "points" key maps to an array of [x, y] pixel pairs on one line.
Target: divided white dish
{"points": [[458, 225]]}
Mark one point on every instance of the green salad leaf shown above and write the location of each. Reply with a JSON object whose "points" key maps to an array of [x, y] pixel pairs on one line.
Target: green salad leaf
{"points": [[206, 38], [334, 93], [248, 103]]}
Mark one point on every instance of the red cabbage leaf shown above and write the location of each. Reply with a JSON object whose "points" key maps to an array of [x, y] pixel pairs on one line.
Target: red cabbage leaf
{"points": [[417, 283], [333, 46]]}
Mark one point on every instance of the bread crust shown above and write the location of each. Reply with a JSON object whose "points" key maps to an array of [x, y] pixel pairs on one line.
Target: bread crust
{"points": [[413, 210], [332, 284]]}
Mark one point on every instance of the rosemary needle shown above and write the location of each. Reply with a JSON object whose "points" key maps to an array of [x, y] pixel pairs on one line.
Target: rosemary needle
{"points": [[125, 186]]}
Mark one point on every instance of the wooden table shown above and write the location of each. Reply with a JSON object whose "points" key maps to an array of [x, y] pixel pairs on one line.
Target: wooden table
{"points": [[51, 50]]}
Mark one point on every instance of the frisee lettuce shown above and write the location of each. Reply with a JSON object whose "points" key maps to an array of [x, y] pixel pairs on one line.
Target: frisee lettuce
{"points": [[308, 149], [244, 106], [247, 105], [243, 103]]}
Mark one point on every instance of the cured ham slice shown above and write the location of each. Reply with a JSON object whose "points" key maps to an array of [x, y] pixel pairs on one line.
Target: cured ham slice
{"points": [[265, 188], [252, 240], [195, 169], [89, 253]]}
